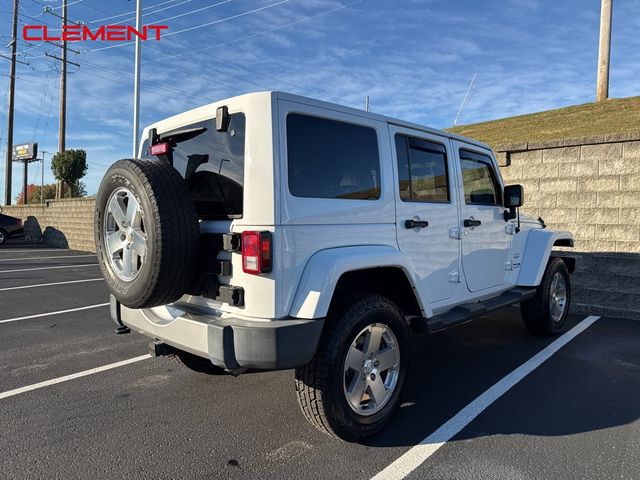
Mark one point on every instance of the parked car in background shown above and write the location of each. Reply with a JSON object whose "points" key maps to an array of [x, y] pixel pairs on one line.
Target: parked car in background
{"points": [[10, 227]]}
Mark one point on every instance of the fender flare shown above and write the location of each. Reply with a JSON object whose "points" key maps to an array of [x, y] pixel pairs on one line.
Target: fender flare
{"points": [[537, 252], [324, 269]]}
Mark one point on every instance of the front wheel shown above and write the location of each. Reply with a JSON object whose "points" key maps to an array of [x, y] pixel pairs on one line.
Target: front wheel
{"points": [[3, 237], [352, 386], [546, 313]]}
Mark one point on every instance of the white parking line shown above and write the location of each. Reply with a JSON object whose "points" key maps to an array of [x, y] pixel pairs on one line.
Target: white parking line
{"points": [[60, 312], [50, 284], [32, 250], [48, 268], [45, 258], [413, 458], [66, 378]]}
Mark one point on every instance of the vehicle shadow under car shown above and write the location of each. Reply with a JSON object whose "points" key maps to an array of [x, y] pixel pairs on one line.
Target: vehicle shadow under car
{"points": [[450, 369]]}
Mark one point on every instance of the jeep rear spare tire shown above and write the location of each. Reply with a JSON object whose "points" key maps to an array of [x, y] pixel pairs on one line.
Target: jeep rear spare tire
{"points": [[147, 233]]}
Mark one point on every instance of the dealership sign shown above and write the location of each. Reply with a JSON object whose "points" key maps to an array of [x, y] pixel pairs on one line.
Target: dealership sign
{"points": [[82, 33], [25, 151]]}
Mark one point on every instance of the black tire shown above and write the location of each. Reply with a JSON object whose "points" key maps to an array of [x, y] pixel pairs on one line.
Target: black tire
{"points": [[196, 363], [319, 384], [536, 313], [171, 228], [4, 236]]}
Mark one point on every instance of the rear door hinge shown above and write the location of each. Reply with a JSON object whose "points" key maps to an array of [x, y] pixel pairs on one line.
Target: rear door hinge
{"points": [[232, 242]]}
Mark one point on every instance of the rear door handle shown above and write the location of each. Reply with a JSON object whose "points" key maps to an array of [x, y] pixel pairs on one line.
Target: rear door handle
{"points": [[470, 222], [416, 224]]}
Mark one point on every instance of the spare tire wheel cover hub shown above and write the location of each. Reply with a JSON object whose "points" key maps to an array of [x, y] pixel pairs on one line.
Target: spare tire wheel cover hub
{"points": [[125, 239]]}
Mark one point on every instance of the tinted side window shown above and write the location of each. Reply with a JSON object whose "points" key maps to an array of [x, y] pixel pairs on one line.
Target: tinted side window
{"points": [[332, 159], [480, 184], [422, 170]]}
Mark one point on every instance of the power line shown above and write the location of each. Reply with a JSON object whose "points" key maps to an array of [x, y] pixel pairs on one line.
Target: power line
{"points": [[145, 8], [158, 85], [155, 11], [68, 4], [36, 126], [233, 17], [190, 12], [208, 24], [163, 58]]}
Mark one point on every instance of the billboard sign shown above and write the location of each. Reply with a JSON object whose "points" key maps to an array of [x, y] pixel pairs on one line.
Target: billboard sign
{"points": [[25, 151]]}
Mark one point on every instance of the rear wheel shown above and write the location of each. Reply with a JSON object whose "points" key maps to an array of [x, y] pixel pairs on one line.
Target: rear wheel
{"points": [[3, 237], [352, 386], [546, 313]]}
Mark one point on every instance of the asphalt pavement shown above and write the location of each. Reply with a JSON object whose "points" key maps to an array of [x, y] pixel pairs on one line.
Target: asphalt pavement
{"points": [[575, 415]]}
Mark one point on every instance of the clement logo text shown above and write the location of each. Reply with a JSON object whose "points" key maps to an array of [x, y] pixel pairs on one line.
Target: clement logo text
{"points": [[82, 33]]}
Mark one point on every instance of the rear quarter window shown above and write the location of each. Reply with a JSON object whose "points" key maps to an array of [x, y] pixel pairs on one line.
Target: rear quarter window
{"points": [[332, 159]]}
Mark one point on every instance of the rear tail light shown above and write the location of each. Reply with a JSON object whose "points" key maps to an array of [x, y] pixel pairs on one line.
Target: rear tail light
{"points": [[159, 149], [256, 252], [19, 221]]}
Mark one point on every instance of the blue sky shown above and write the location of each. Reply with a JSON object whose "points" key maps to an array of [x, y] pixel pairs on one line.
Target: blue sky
{"points": [[414, 58]]}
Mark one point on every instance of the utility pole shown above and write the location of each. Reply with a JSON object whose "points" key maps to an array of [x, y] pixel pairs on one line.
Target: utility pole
{"points": [[25, 179], [42, 179], [136, 84], [604, 52], [63, 98], [12, 88]]}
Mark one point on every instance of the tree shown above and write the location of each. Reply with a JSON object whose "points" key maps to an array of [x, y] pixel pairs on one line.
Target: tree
{"points": [[30, 191], [78, 189], [34, 196], [69, 167]]}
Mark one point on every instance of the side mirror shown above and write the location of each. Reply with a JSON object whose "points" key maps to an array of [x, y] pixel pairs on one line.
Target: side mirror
{"points": [[513, 196]]}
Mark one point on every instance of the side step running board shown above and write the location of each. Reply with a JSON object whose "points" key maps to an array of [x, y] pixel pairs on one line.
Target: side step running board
{"points": [[468, 311]]}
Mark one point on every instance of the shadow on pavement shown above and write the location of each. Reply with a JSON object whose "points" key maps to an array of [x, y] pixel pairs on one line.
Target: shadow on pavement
{"points": [[592, 383]]}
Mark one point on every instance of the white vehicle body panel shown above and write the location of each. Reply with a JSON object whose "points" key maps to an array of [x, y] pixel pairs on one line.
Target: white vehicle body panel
{"points": [[432, 253], [317, 240], [485, 248], [325, 269], [539, 245]]}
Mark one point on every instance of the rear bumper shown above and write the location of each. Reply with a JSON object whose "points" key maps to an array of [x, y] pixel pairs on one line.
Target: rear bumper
{"points": [[230, 343]]}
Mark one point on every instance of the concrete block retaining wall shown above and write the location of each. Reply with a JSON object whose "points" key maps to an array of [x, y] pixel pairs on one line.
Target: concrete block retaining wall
{"points": [[66, 223], [591, 187]]}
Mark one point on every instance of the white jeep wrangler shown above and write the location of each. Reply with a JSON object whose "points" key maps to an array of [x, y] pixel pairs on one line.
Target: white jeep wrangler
{"points": [[271, 231]]}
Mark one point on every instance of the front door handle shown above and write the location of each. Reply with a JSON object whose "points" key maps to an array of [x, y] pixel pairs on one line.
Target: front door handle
{"points": [[416, 224], [470, 222]]}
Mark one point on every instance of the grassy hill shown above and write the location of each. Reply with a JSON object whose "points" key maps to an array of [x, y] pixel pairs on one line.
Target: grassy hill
{"points": [[611, 116]]}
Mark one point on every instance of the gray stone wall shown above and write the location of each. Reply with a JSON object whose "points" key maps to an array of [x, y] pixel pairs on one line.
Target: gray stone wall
{"points": [[66, 223], [591, 187]]}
